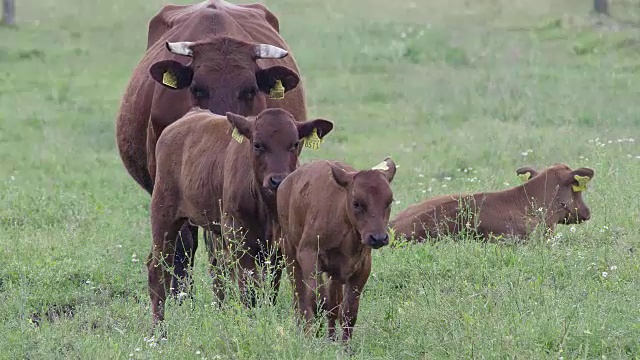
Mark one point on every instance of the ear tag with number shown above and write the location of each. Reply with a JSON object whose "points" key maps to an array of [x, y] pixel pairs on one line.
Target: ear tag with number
{"points": [[582, 183], [524, 177], [313, 141], [277, 91], [235, 134], [169, 79]]}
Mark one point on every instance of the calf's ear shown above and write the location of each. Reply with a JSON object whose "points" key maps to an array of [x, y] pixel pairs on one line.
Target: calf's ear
{"points": [[266, 78], [322, 127], [583, 172], [525, 173], [341, 176], [171, 74], [387, 167], [241, 126], [579, 179]]}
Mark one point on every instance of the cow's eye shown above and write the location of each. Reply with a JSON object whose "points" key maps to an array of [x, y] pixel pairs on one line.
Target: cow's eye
{"points": [[258, 147], [199, 92], [248, 94], [295, 145], [357, 205]]}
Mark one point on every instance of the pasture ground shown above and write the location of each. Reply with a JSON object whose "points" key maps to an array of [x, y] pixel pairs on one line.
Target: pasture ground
{"points": [[459, 93]]}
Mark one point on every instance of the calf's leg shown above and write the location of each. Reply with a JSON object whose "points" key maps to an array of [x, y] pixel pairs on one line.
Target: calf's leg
{"points": [[164, 230], [333, 305], [305, 273], [184, 259], [218, 262], [353, 290]]}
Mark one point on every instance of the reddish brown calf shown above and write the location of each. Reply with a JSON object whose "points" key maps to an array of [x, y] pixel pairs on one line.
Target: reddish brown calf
{"points": [[553, 196], [330, 218], [209, 179]]}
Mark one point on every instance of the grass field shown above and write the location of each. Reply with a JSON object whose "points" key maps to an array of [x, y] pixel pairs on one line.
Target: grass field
{"points": [[459, 93]]}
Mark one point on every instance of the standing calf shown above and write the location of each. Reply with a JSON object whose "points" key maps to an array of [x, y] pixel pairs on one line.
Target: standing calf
{"points": [[553, 196], [207, 178], [330, 218]]}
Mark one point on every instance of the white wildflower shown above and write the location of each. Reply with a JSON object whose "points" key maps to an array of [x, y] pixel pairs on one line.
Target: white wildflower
{"points": [[604, 274], [613, 267], [197, 352], [572, 229]]}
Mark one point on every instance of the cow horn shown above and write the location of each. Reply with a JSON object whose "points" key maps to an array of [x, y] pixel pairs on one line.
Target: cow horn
{"points": [[264, 51], [180, 48]]}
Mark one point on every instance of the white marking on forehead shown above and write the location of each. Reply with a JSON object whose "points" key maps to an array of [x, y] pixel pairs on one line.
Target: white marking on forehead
{"points": [[382, 166]]}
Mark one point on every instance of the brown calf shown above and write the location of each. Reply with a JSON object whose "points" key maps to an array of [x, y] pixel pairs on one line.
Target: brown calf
{"points": [[330, 218], [553, 196], [209, 179]]}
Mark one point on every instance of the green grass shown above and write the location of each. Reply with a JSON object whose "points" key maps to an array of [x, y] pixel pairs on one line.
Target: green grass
{"points": [[456, 92]]}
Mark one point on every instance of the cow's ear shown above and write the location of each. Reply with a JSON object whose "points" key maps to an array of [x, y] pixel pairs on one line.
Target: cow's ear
{"points": [[525, 173], [321, 126], [387, 167], [171, 74], [341, 176], [266, 78], [242, 127]]}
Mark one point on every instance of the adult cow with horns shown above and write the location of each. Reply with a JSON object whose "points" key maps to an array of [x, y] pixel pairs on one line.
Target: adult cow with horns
{"points": [[213, 55]]}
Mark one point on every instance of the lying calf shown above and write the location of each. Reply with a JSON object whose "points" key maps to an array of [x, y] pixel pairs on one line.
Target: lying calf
{"points": [[202, 174], [552, 196], [331, 216]]}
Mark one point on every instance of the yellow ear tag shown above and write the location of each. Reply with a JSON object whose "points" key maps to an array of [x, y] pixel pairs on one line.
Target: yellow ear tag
{"points": [[277, 91], [313, 141], [582, 183], [169, 79], [524, 177], [235, 134]]}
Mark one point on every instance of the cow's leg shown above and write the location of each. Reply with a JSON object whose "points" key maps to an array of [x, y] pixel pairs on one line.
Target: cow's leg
{"points": [[353, 290], [334, 302], [184, 259]]}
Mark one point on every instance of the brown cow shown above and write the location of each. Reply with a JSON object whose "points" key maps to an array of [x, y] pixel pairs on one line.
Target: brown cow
{"points": [[553, 196], [209, 179], [214, 55], [330, 217]]}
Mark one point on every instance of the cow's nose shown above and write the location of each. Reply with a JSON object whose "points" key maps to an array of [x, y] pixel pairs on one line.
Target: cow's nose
{"points": [[378, 240], [275, 181], [585, 217]]}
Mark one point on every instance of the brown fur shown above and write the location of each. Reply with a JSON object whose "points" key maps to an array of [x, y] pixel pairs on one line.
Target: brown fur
{"points": [[329, 220], [223, 68], [200, 168], [513, 212]]}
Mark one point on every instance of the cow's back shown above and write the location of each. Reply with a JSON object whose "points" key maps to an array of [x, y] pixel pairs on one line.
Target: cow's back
{"points": [[433, 217]]}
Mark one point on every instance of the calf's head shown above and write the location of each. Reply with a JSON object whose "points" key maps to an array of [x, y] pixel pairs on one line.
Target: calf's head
{"points": [[567, 195], [369, 199], [223, 75], [275, 137]]}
